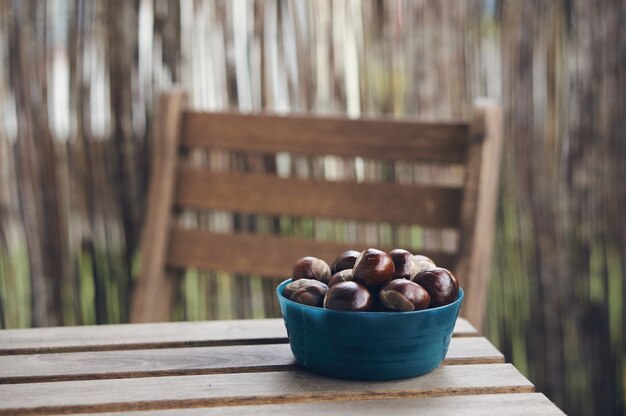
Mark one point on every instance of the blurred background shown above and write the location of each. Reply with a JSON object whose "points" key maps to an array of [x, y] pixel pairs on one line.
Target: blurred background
{"points": [[79, 81]]}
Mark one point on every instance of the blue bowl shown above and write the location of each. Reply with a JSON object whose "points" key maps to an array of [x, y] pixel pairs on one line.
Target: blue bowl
{"points": [[368, 345]]}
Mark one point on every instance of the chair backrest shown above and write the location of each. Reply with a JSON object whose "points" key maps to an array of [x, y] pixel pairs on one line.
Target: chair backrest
{"points": [[456, 207]]}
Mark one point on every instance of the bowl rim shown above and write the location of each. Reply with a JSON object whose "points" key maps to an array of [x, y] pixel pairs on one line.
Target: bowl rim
{"points": [[281, 286]]}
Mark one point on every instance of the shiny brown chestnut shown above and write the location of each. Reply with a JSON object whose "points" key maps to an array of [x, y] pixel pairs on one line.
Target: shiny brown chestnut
{"points": [[348, 296], [311, 268], [297, 284], [440, 284], [422, 263], [373, 268], [311, 293], [403, 263], [344, 261], [340, 276], [404, 295]]}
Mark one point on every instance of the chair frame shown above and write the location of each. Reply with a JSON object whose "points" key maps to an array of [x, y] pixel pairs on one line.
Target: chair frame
{"points": [[174, 126]]}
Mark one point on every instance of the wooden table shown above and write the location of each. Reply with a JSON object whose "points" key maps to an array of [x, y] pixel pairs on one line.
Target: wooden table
{"points": [[237, 367]]}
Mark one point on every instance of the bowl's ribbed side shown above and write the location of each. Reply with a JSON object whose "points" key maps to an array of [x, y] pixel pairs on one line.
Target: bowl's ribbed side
{"points": [[368, 346]]}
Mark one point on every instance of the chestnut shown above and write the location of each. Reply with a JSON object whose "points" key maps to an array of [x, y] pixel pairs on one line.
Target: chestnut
{"points": [[422, 263], [344, 261], [297, 284], [404, 264], [440, 284], [341, 276], [311, 268], [404, 295], [373, 268], [348, 296], [310, 293]]}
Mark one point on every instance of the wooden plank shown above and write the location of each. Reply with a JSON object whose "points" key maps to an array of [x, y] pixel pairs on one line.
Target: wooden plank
{"points": [[475, 350], [155, 335], [251, 388], [141, 336], [267, 194], [266, 255], [463, 328], [436, 141], [516, 404], [190, 361], [153, 293], [145, 363]]}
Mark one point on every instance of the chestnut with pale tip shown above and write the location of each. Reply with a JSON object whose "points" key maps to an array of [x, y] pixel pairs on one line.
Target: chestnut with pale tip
{"points": [[348, 296], [297, 284], [422, 263], [340, 276], [344, 261], [373, 268], [311, 268], [403, 295], [440, 284], [311, 293]]}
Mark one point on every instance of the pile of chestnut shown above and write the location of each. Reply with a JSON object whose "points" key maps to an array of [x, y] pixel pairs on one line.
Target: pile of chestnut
{"points": [[372, 280]]}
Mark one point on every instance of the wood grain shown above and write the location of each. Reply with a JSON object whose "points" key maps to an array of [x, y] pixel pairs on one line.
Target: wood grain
{"points": [[252, 388], [518, 404], [267, 194], [155, 335], [469, 210], [463, 328], [190, 361], [266, 255], [141, 336], [436, 141], [153, 293], [479, 211]]}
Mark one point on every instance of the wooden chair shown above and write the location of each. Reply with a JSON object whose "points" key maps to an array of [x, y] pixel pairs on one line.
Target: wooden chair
{"points": [[472, 147]]}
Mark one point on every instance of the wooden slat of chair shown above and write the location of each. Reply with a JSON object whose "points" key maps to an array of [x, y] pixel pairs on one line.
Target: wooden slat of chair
{"points": [[442, 142], [382, 202], [470, 210], [189, 248]]}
